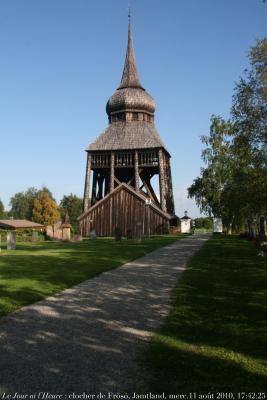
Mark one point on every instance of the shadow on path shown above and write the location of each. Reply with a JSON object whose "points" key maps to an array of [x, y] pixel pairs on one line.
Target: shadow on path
{"points": [[90, 337]]}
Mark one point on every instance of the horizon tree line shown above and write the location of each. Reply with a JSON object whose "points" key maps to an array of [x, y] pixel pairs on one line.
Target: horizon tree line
{"points": [[40, 206]]}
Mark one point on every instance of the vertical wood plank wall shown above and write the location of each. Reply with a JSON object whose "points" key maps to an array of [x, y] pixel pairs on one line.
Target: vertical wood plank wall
{"points": [[125, 210]]}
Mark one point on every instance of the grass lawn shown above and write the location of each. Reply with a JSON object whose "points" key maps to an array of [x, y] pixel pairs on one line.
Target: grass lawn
{"points": [[35, 271], [215, 338]]}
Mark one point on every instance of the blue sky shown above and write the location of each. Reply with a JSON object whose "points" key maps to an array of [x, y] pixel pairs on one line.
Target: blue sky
{"points": [[62, 60]]}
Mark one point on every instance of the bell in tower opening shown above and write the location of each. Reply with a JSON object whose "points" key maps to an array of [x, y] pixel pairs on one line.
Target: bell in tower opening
{"points": [[122, 162]]}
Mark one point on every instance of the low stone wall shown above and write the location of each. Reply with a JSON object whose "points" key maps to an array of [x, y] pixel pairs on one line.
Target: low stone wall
{"points": [[55, 231], [59, 231]]}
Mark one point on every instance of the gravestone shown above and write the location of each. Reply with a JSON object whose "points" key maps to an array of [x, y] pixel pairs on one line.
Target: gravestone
{"points": [[129, 234], [251, 233], [118, 233], [34, 236], [139, 231], [11, 240], [262, 235], [92, 234]]}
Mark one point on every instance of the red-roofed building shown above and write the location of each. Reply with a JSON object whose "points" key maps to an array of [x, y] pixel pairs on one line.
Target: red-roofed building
{"points": [[19, 224]]}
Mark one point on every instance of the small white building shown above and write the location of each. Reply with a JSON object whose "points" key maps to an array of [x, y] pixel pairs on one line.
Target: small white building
{"points": [[185, 223], [217, 225]]}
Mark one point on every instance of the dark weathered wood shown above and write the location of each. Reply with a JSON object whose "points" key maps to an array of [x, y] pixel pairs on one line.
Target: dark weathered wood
{"points": [[162, 181], [112, 171], [136, 171], [125, 208], [170, 199], [94, 187], [87, 183], [106, 184], [117, 180], [100, 186]]}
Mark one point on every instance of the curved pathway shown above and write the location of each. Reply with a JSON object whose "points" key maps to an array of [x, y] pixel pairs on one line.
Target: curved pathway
{"points": [[91, 338]]}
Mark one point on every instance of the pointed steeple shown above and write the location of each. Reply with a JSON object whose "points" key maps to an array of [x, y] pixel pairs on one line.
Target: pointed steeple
{"points": [[130, 77]]}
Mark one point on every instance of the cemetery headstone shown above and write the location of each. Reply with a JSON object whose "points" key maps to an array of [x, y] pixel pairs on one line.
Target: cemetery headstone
{"points": [[250, 227], [34, 236], [118, 233], [262, 235], [129, 234], [139, 231], [93, 234], [11, 240]]}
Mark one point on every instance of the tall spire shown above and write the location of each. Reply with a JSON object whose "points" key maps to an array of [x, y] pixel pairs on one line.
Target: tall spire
{"points": [[130, 77]]}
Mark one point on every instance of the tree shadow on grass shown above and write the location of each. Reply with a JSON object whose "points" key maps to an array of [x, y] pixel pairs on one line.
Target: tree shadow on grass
{"points": [[91, 337], [35, 271], [194, 369], [219, 303]]}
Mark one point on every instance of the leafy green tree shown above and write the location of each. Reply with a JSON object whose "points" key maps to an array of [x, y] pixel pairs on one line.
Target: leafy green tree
{"points": [[249, 114], [2, 211], [249, 109], [22, 204], [45, 209], [208, 189], [73, 206], [203, 222], [233, 184]]}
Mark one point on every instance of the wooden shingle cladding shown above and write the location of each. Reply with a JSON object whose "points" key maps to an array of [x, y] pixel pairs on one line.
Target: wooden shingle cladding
{"points": [[126, 209], [130, 76], [128, 135]]}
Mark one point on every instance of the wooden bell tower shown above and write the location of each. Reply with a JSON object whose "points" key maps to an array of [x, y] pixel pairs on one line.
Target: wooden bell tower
{"points": [[123, 160]]}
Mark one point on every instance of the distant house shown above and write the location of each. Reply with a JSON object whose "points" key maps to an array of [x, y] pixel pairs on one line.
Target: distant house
{"points": [[217, 225], [20, 224], [185, 223]]}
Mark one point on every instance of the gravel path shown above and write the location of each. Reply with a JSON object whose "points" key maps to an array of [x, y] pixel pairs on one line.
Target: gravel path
{"points": [[91, 338]]}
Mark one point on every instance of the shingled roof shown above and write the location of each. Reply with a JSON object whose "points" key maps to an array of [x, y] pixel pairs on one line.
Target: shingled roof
{"points": [[123, 135], [19, 224], [130, 77], [129, 97]]}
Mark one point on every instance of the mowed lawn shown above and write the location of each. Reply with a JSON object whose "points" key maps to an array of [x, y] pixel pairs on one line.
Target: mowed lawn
{"points": [[215, 338], [35, 271]]}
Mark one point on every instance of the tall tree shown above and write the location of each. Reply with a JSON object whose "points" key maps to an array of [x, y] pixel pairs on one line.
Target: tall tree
{"points": [[233, 184], [249, 114], [249, 109], [45, 209], [72, 205], [2, 210], [22, 204], [208, 188]]}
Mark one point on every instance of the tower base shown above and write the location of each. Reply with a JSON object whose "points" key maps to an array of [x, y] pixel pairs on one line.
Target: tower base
{"points": [[128, 210]]}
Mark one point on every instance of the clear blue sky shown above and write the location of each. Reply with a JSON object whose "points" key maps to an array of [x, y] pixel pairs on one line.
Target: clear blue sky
{"points": [[62, 59]]}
